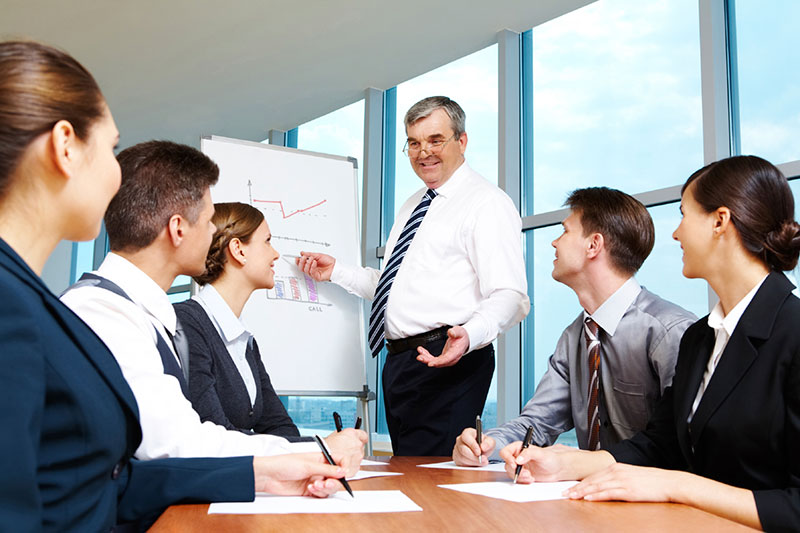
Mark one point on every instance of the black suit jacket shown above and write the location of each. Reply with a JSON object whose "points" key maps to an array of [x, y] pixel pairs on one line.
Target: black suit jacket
{"points": [[746, 430], [216, 388], [70, 425]]}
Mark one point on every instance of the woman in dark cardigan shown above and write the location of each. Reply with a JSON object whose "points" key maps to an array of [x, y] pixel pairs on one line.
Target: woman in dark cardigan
{"points": [[228, 383], [725, 437]]}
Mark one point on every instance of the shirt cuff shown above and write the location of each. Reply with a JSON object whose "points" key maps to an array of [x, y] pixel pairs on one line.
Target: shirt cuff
{"points": [[339, 272], [477, 329], [303, 447]]}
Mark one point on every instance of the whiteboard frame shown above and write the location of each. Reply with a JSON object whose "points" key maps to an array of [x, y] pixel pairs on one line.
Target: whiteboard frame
{"points": [[365, 394]]}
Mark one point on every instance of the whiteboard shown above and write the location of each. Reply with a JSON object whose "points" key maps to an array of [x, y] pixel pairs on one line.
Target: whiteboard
{"points": [[311, 335]]}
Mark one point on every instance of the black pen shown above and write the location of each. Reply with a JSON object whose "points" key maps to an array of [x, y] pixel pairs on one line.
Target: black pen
{"points": [[357, 425], [525, 444], [337, 420], [328, 458], [479, 436]]}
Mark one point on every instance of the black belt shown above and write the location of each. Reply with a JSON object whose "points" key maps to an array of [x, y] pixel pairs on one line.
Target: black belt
{"points": [[410, 343]]}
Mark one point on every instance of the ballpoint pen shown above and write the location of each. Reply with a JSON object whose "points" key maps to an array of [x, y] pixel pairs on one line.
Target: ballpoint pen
{"points": [[479, 436], [331, 462], [357, 425], [525, 444], [337, 420]]}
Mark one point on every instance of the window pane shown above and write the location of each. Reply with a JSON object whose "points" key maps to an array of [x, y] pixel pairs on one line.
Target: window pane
{"points": [[662, 272], [616, 98], [182, 280], [178, 297], [768, 78], [338, 133], [84, 257], [470, 81], [555, 306], [312, 414]]}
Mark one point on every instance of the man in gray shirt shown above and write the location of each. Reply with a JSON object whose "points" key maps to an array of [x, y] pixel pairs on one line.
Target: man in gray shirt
{"points": [[607, 236]]}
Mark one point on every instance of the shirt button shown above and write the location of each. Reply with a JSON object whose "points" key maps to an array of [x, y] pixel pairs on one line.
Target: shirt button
{"points": [[117, 469]]}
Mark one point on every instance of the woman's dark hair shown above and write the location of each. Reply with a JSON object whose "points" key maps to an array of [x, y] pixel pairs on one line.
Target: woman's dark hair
{"points": [[760, 202], [40, 86], [233, 220]]}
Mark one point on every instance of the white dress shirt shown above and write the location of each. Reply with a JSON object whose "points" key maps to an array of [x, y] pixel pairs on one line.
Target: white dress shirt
{"points": [[723, 326], [464, 266], [610, 312], [231, 330], [170, 426]]}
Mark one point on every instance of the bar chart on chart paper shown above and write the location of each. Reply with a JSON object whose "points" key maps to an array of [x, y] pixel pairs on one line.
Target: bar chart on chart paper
{"points": [[295, 289], [309, 202]]}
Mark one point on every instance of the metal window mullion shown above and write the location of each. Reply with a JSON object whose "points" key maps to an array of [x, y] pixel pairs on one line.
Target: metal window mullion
{"points": [[371, 213], [715, 78], [509, 344], [277, 137], [649, 199]]}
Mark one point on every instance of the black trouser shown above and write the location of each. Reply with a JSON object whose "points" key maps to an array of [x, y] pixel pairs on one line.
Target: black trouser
{"points": [[427, 408]]}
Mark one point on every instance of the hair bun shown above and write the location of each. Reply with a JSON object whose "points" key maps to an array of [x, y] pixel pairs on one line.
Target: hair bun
{"points": [[782, 246]]}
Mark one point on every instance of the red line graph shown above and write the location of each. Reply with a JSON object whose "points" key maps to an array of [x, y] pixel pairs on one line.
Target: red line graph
{"points": [[283, 212]]}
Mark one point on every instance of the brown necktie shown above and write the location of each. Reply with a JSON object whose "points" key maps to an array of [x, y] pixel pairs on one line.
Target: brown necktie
{"points": [[590, 330]]}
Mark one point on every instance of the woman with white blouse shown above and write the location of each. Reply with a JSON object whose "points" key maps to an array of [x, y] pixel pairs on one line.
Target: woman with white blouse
{"points": [[228, 383]]}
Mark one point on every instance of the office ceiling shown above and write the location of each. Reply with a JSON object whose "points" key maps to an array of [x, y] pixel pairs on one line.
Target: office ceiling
{"points": [[179, 69]]}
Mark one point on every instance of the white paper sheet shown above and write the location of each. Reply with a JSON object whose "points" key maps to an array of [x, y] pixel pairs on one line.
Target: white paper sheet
{"points": [[491, 467], [365, 501], [364, 474], [368, 462], [519, 492]]}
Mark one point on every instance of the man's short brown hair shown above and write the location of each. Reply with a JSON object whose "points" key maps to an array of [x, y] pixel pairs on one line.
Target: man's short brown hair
{"points": [[159, 179], [622, 220]]}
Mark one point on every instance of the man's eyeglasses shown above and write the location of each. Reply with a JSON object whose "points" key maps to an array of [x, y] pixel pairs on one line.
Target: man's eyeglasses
{"points": [[414, 148]]}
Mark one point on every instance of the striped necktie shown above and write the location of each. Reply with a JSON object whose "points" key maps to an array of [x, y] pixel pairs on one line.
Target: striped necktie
{"points": [[590, 330], [377, 315]]}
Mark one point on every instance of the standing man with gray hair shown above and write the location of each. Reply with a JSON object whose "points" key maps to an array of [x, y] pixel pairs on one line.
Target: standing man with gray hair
{"points": [[453, 278]]}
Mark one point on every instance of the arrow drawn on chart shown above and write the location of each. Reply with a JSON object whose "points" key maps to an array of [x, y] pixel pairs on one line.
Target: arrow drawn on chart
{"points": [[283, 212], [301, 240]]}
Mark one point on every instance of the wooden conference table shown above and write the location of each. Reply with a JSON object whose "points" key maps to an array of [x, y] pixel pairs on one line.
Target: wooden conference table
{"points": [[447, 510]]}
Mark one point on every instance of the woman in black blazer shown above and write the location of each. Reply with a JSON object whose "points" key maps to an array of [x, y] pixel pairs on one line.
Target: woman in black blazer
{"points": [[69, 420], [238, 396], [726, 436]]}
